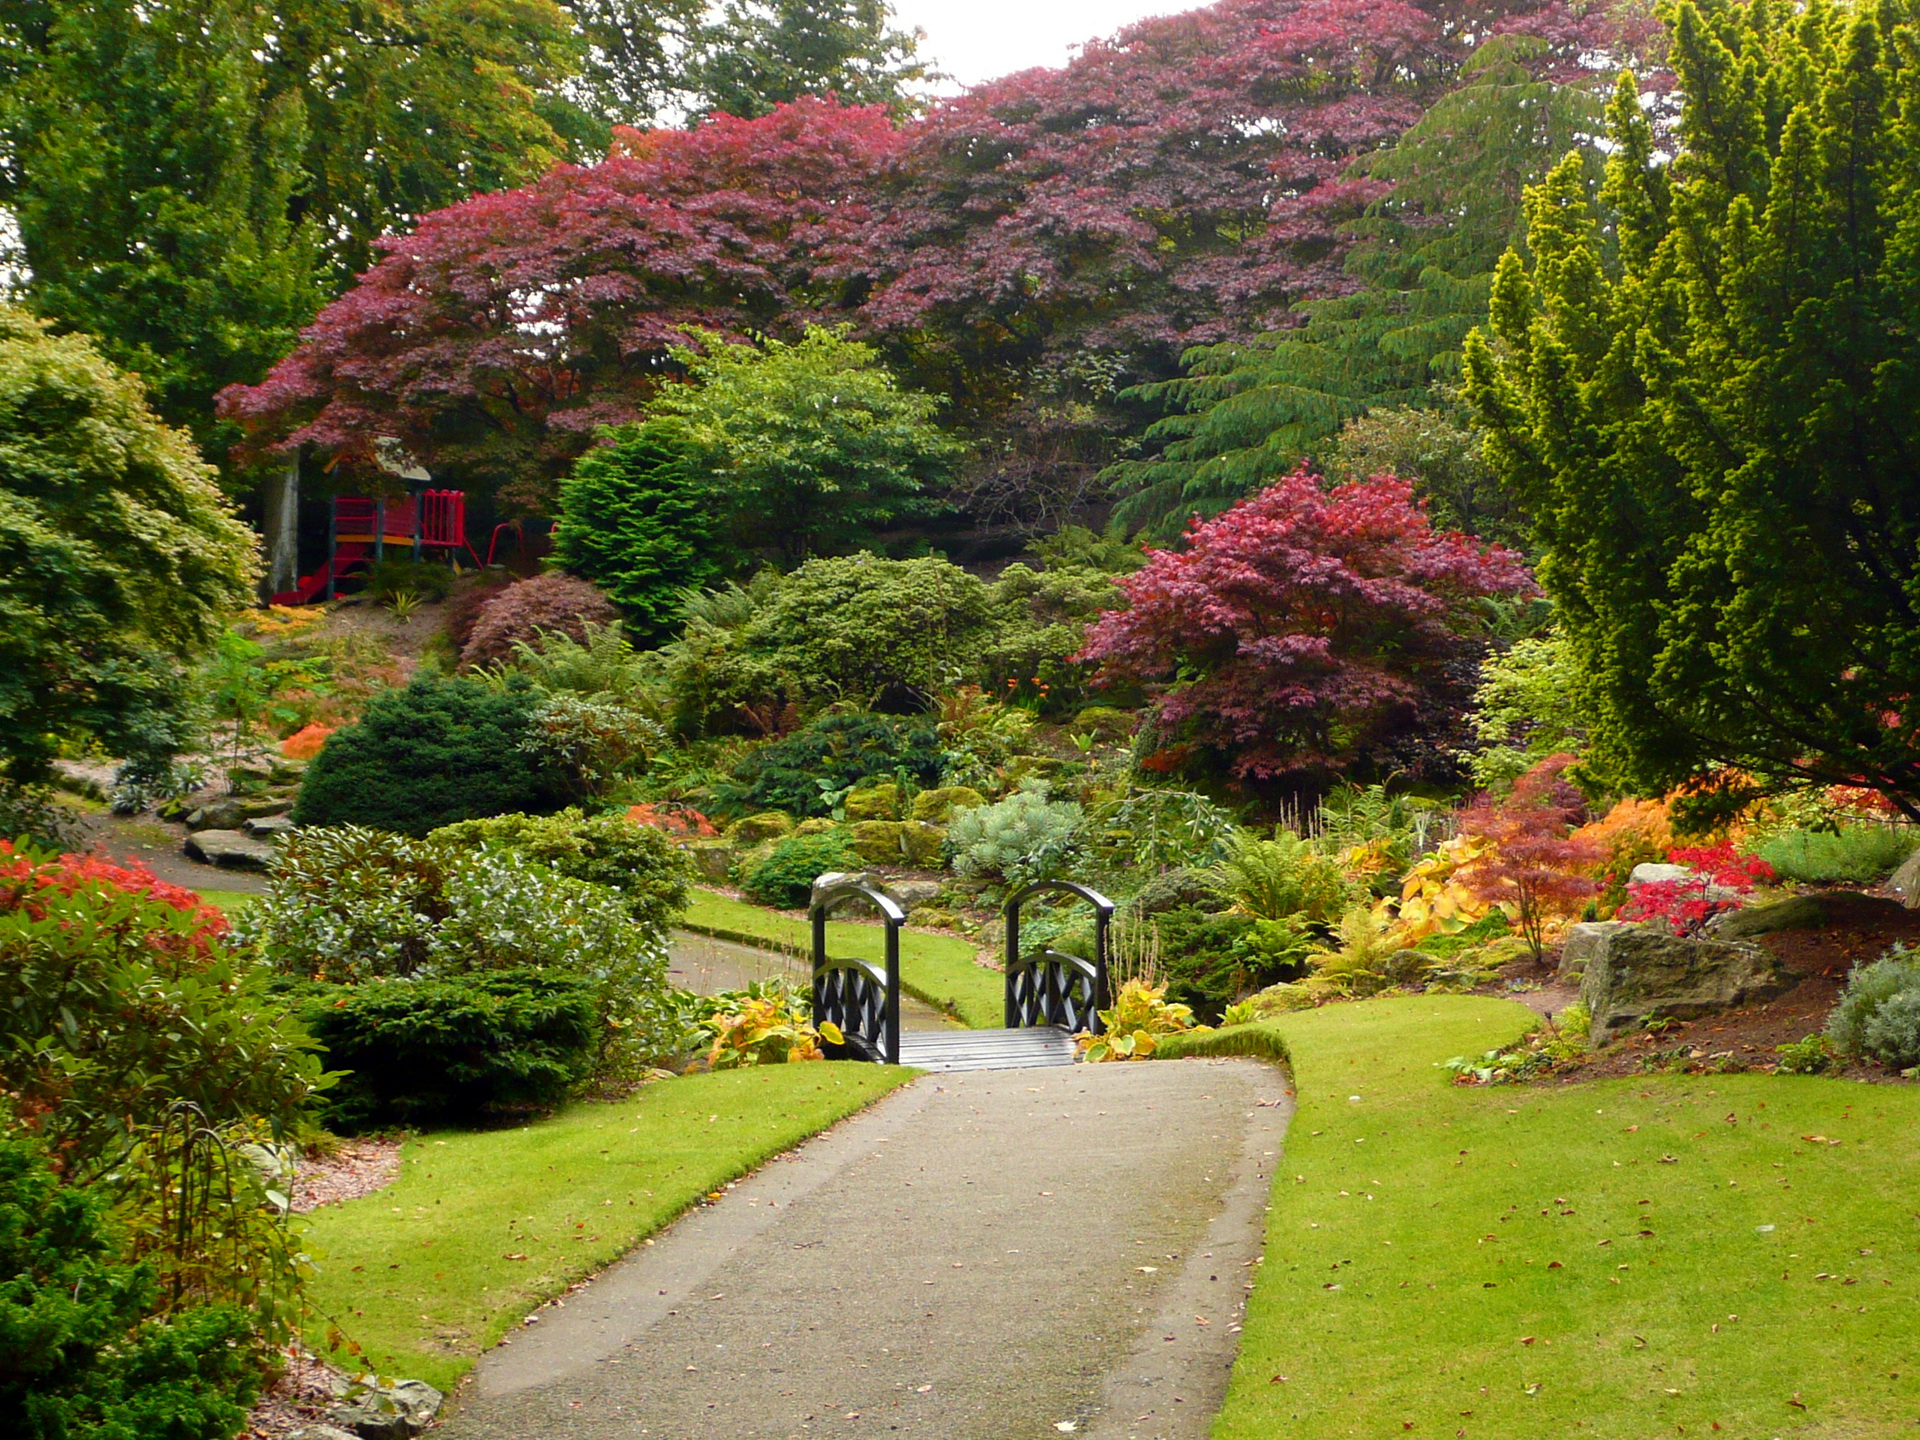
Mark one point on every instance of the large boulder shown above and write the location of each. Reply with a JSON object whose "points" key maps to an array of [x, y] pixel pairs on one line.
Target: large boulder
{"points": [[1652, 873], [712, 860], [229, 850], [1906, 881], [1583, 942], [222, 814], [1637, 973], [897, 842], [1802, 912]]}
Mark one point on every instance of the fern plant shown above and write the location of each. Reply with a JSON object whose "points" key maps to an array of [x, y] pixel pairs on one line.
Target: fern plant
{"points": [[1282, 877]]}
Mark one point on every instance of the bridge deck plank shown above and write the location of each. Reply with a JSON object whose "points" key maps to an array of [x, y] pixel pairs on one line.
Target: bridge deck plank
{"points": [[986, 1049]]}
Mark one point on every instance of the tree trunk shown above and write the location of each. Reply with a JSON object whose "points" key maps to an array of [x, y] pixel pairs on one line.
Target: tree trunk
{"points": [[282, 517]]}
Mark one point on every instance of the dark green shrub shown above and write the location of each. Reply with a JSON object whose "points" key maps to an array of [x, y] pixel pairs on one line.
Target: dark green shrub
{"points": [[785, 878], [804, 773], [426, 1052], [1879, 1013], [638, 518], [79, 1355], [389, 578], [1211, 960], [1857, 853], [641, 862], [436, 752]]}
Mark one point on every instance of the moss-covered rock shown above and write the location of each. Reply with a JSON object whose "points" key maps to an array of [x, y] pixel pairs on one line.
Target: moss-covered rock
{"points": [[712, 860], [937, 807], [897, 842], [873, 802], [819, 825], [1105, 723], [767, 825]]}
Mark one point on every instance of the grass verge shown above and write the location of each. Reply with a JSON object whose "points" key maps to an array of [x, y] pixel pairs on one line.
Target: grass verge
{"points": [[938, 969], [227, 900], [1567, 1261], [481, 1227]]}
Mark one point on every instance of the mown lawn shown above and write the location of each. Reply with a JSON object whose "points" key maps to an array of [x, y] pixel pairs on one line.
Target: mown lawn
{"points": [[481, 1227], [1672, 1255], [939, 969]]}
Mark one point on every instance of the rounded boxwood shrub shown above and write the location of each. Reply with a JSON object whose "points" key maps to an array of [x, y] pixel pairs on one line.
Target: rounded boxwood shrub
{"points": [[423, 1052], [426, 756], [785, 878], [802, 773]]}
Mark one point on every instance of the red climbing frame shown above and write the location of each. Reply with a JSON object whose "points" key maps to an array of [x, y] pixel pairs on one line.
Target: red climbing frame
{"points": [[364, 526]]}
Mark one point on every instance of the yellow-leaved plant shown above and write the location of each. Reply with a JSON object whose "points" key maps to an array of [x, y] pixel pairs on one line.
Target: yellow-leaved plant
{"points": [[1435, 898], [1140, 1017], [765, 1024]]}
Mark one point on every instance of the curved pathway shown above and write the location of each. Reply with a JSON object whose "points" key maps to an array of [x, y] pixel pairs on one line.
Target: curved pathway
{"points": [[984, 1256]]}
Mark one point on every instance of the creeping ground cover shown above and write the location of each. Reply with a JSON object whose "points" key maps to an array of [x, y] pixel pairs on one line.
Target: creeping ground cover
{"points": [[1665, 1254], [938, 969], [481, 1227]]}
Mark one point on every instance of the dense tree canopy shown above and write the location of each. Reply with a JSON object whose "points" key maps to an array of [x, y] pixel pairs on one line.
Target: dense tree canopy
{"points": [[118, 559], [1705, 388], [1181, 184], [1308, 632], [756, 54]]}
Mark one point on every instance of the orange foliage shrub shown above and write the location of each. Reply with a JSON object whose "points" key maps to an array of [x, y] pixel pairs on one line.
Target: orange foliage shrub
{"points": [[305, 742], [1632, 833]]}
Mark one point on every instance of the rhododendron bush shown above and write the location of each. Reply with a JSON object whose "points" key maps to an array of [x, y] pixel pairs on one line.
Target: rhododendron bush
{"points": [[1308, 631]]}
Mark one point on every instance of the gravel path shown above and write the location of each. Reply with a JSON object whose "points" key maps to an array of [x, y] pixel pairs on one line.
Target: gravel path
{"points": [[986, 1256]]}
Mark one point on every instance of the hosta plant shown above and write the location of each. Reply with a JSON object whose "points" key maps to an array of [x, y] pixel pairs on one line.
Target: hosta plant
{"points": [[768, 1023], [1134, 1026]]}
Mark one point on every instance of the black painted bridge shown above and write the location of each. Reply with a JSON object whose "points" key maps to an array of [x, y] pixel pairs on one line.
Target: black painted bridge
{"points": [[1051, 995]]}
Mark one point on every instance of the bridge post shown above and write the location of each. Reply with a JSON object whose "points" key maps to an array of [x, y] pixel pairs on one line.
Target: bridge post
{"points": [[855, 995], [1042, 993]]}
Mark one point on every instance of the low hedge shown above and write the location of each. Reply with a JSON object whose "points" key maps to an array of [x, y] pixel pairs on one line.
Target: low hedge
{"points": [[426, 1052]]}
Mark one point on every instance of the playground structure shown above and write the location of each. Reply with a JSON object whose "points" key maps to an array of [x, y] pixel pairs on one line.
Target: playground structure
{"points": [[361, 529], [1050, 995]]}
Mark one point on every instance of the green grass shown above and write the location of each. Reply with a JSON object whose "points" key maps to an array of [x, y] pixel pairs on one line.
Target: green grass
{"points": [[1422, 1235], [939, 969], [419, 1274], [227, 899]]}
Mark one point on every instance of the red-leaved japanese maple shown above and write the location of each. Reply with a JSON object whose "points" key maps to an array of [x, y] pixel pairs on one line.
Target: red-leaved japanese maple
{"points": [[1182, 183], [1534, 864], [1307, 630]]}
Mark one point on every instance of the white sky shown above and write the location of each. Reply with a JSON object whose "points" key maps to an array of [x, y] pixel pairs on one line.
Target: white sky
{"points": [[975, 40]]}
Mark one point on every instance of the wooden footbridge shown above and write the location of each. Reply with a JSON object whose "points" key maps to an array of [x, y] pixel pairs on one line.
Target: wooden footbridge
{"points": [[1051, 995]]}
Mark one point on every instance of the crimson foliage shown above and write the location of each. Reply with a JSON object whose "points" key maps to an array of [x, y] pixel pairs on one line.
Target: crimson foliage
{"points": [[1180, 184], [1535, 864], [1306, 630]]}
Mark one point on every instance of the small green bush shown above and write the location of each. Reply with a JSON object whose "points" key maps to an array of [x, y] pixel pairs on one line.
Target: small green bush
{"points": [[650, 872], [81, 1355], [1284, 876], [1859, 854], [1022, 838], [638, 516], [785, 878], [1210, 960], [1879, 1012], [804, 773], [426, 1052], [436, 752]]}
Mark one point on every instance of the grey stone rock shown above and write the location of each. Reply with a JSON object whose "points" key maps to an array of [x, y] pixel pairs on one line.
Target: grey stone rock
{"points": [[262, 807], [712, 859], [388, 1412], [1636, 973], [249, 779], [1803, 912], [914, 893], [1649, 873], [218, 815], [1583, 940], [269, 827], [322, 1432], [229, 850], [1906, 881]]}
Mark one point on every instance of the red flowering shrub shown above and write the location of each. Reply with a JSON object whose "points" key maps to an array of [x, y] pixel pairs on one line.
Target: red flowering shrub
{"points": [[25, 875], [551, 602], [1309, 630], [1721, 880], [1535, 866]]}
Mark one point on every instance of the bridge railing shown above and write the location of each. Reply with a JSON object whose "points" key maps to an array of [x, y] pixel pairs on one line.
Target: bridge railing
{"points": [[1051, 987], [858, 996]]}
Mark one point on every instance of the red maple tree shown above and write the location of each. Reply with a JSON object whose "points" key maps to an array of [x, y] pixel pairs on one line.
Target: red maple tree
{"points": [[1307, 630], [1181, 183], [1535, 865]]}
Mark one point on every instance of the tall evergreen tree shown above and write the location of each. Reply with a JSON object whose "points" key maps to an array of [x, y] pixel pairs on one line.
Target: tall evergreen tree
{"points": [[1423, 263], [1706, 392]]}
